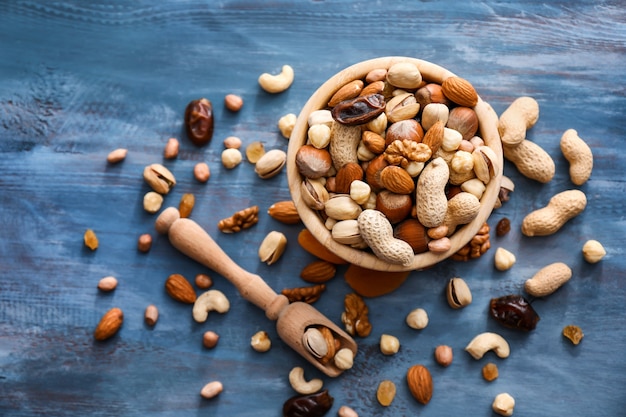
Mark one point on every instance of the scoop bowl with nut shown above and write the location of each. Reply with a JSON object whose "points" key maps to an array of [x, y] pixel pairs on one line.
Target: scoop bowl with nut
{"points": [[395, 163]]}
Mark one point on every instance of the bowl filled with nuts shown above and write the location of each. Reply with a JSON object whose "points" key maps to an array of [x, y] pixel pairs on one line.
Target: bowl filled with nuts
{"points": [[395, 163]]}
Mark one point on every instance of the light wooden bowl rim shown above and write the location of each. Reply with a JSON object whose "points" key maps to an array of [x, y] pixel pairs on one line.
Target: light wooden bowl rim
{"points": [[488, 125]]}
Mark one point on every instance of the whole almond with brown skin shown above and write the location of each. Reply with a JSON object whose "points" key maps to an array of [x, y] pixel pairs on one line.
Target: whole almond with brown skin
{"points": [[318, 272], [180, 289], [397, 180], [373, 170], [373, 142], [347, 92], [284, 212], [434, 136], [420, 383], [109, 324], [346, 174], [460, 91]]}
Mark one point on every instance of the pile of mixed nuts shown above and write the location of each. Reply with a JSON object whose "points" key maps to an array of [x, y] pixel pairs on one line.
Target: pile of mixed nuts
{"points": [[394, 164]]}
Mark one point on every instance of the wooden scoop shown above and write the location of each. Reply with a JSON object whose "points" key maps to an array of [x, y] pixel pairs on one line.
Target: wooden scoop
{"points": [[292, 320]]}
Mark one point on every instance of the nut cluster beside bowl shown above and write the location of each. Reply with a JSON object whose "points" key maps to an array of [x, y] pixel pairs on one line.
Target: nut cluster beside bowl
{"points": [[364, 152]]}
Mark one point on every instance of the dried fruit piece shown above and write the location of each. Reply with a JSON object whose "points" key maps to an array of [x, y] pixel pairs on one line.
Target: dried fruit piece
{"points": [[573, 333], [313, 405], [371, 283], [386, 392], [310, 244], [187, 201], [199, 121], [254, 151], [514, 311], [490, 371], [91, 240], [503, 227], [359, 110]]}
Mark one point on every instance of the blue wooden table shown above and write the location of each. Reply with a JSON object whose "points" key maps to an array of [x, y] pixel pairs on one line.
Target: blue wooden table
{"points": [[79, 79]]}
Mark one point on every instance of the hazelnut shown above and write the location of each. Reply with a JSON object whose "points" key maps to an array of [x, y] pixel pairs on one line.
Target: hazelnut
{"points": [[593, 251], [417, 319], [405, 129], [463, 120], [233, 102], [313, 162], [396, 207], [232, 142], [412, 232], [443, 355], [231, 158], [210, 339]]}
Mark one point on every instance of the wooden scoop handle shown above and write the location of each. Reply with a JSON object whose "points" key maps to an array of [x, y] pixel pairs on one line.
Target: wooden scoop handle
{"points": [[191, 239]]}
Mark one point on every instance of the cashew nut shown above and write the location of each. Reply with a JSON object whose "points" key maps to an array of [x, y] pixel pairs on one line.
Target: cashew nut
{"points": [[301, 385], [277, 83], [485, 342], [212, 300]]}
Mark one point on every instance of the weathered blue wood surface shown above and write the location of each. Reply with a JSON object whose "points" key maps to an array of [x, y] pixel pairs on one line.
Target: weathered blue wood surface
{"points": [[79, 79]]}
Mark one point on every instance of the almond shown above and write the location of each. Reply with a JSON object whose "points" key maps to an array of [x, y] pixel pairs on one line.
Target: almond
{"points": [[284, 212], [109, 324], [180, 289], [420, 383], [397, 180], [373, 142], [434, 136], [373, 170], [310, 244], [460, 91], [348, 91], [346, 174], [318, 272], [376, 87]]}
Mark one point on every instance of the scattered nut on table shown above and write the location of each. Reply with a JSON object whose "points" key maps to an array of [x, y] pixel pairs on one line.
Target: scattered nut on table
{"points": [[503, 259], [389, 345], [417, 319], [117, 155], [444, 355], [211, 390], [151, 315], [210, 339], [458, 293], [233, 102], [107, 284], [301, 385], [503, 404], [211, 300], [261, 341], [231, 157], [144, 242], [286, 124], [593, 251]]}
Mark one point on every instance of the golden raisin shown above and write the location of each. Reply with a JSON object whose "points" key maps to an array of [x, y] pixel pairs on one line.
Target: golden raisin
{"points": [[490, 371], [386, 392], [91, 240], [573, 333], [187, 201]]}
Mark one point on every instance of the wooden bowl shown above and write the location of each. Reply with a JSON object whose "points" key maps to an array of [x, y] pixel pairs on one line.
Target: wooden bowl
{"points": [[488, 128]]}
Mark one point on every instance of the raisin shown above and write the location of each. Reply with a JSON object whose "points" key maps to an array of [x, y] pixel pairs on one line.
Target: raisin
{"points": [[503, 227]]}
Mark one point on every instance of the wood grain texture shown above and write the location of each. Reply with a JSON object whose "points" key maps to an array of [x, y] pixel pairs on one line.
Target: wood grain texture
{"points": [[79, 79]]}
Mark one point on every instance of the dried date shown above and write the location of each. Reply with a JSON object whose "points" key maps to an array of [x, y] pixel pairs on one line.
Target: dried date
{"points": [[359, 110], [514, 312], [199, 121], [313, 405]]}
